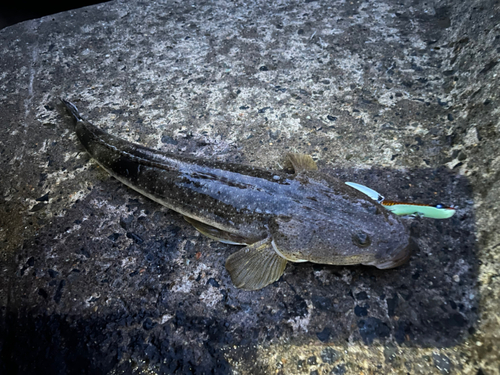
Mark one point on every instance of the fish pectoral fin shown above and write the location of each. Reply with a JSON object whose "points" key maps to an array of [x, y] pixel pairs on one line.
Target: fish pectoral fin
{"points": [[215, 233], [255, 266], [301, 162]]}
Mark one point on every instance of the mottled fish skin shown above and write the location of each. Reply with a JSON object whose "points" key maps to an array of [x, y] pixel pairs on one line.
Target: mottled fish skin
{"points": [[308, 216]]}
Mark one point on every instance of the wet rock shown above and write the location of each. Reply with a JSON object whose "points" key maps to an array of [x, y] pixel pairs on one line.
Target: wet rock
{"points": [[168, 140], [442, 363], [392, 304], [125, 222], [361, 310], [324, 336], [113, 237], [43, 198], [361, 296], [372, 328], [135, 237], [59, 292], [339, 370], [329, 355]]}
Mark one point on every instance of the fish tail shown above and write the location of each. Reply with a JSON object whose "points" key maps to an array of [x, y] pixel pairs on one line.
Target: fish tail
{"points": [[72, 109]]}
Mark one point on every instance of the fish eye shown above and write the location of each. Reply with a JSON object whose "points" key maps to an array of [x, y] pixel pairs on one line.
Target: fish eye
{"points": [[361, 239]]}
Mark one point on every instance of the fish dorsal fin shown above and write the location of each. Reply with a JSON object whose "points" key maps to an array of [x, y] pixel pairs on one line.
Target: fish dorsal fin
{"points": [[302, 162], [255, 266]]}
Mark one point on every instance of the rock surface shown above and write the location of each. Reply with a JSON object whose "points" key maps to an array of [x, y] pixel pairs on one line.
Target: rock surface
{"points": [[400, 96]]}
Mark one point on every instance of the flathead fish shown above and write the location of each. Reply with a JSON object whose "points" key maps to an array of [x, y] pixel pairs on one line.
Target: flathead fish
{"points": [[278, 217]]}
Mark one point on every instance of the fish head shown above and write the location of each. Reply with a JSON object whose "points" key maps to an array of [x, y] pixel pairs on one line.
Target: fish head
{"points": [[336, 224]]}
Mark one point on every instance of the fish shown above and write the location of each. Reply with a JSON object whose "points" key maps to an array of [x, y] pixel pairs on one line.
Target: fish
{"points": [[436, 211], [276, 216]]}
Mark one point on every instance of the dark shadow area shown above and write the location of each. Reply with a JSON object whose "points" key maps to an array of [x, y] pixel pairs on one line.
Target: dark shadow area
{"points": [[55, 344], [76, 308], [18, 11]]}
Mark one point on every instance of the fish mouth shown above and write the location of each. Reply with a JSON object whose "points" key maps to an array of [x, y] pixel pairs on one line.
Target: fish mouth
{"points": [[401, 257]]}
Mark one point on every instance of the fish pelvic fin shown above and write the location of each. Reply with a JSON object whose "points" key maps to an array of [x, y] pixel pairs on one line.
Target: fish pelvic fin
{"points": [[255, 266], [217, 234]]}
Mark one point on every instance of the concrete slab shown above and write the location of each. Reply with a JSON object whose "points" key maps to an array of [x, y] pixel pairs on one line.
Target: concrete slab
{"points": [[400, 96]]}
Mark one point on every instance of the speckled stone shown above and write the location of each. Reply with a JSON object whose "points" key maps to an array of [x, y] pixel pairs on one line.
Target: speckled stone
{"points": [[401, 96]]}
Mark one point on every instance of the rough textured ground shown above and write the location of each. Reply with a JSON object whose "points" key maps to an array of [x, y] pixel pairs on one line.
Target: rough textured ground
{"points": [[400, 96]]}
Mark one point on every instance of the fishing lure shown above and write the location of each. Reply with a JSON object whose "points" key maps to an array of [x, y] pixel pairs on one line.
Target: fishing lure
{"points": [[437, 211]]}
